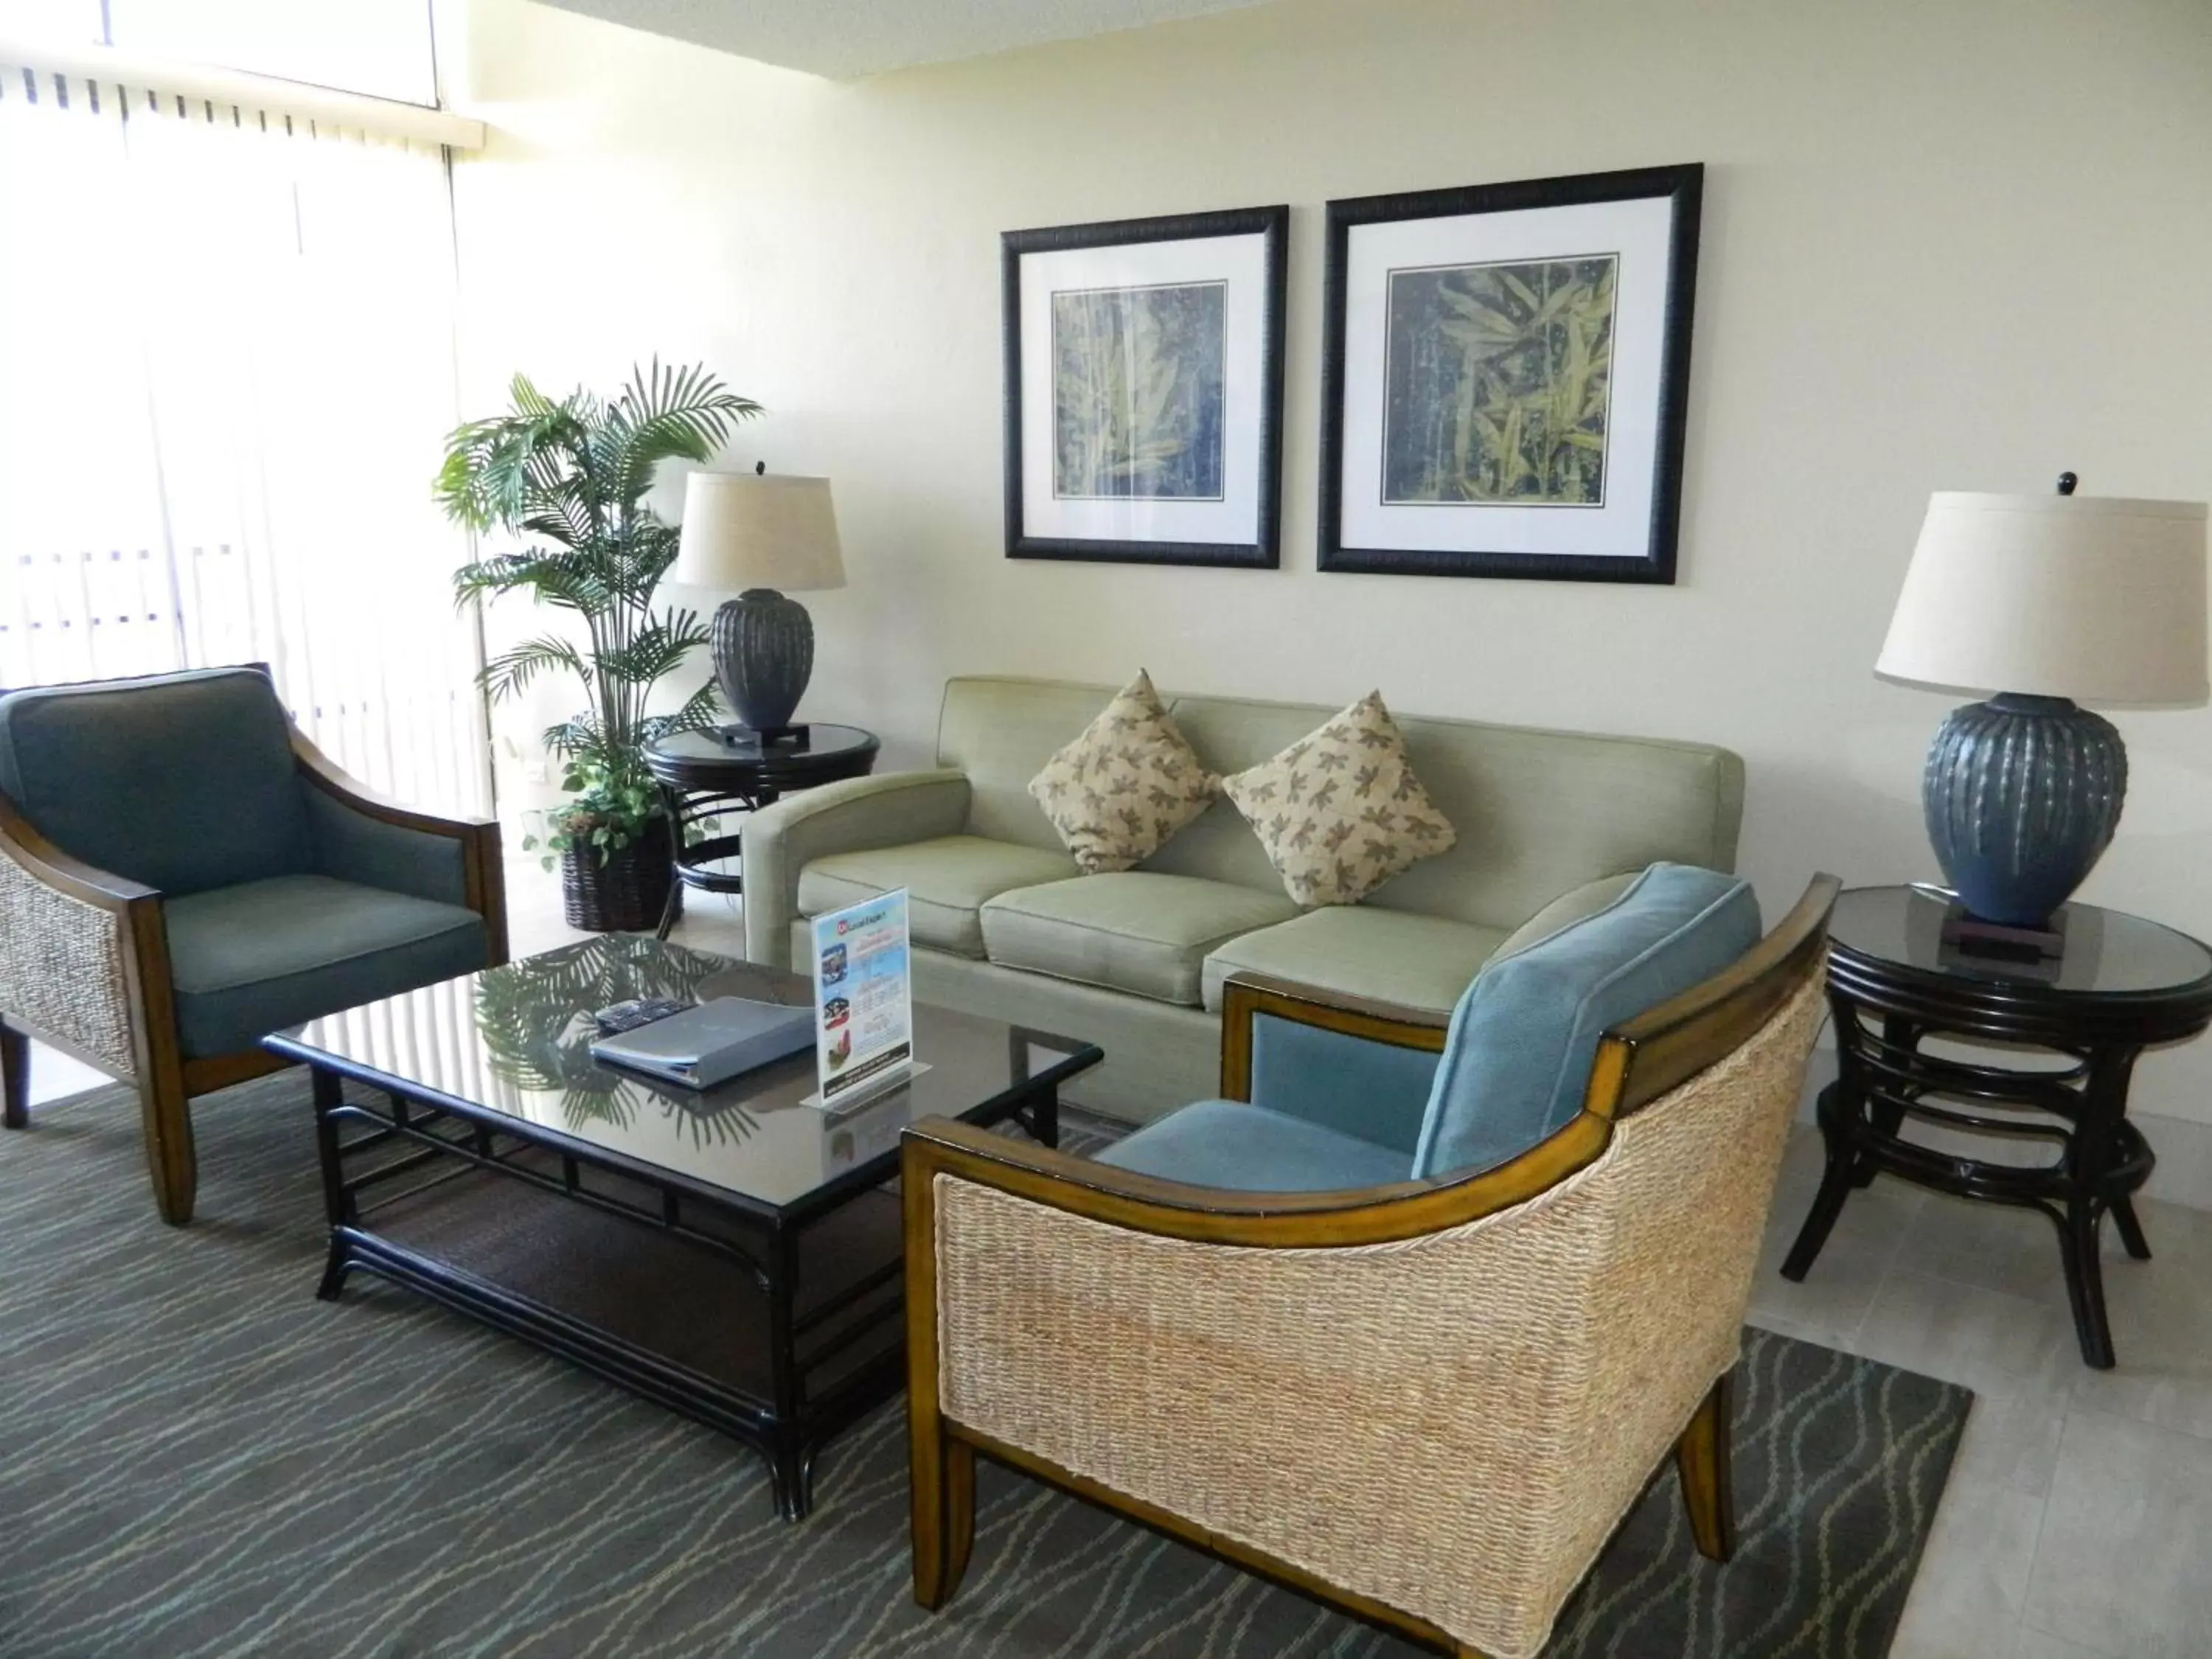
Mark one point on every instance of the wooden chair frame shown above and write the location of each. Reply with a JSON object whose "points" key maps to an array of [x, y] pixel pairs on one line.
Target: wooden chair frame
{"points": [[166, 1082], [1636, 1063]]}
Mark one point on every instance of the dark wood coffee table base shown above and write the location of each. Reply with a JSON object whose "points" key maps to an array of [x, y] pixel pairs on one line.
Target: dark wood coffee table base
{"points": [[777, 1333]]}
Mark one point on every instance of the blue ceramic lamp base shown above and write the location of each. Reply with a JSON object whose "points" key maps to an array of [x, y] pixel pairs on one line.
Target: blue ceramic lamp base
{"points": [[2022, 794]]}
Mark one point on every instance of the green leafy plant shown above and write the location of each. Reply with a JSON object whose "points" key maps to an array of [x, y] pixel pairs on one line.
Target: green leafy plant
{"points": [[571, 477]]}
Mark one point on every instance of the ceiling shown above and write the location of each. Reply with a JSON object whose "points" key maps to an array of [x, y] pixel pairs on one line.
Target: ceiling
{"points": [[844, 38]]}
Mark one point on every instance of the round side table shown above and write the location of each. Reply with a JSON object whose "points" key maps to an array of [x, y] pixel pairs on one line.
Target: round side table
{"points": [[706, 774], [1894, 981]]}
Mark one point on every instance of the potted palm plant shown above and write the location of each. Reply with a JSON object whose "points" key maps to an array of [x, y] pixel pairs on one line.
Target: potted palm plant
{"points": [[570, 478]]}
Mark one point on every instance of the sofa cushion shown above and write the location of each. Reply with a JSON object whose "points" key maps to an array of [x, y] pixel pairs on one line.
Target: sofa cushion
{"points": [[1226, 1143], [1340, 812], [254, 958], [1393, 956], [182, 781], [946, 880], [1119, 791], [1128, 931], [1523, 1038]]}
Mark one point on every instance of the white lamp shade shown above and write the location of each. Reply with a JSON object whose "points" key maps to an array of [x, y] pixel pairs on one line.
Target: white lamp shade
{"points": [[2086, 597], [744, 530]]}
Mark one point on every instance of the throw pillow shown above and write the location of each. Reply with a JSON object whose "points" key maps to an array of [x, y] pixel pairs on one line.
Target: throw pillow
{"points": [[1340, 812], [1131, 780]]}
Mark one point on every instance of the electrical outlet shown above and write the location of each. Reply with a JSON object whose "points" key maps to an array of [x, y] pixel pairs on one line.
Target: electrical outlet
{"points": [[533, 771]]}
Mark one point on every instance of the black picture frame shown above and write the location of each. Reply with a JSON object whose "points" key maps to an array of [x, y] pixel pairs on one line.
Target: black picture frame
{"points": [[1684, 187], [1264, 552]]}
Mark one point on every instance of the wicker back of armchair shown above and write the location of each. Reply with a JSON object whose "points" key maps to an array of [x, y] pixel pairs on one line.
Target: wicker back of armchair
{"points": [[1432, 1403]]}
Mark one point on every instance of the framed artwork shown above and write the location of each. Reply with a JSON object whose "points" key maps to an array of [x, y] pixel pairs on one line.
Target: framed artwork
{"points": [[1144, 389], [1505, 374]]}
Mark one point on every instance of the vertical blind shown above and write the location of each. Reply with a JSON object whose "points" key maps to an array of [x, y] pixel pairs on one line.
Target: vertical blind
{"points": [[226, 365]]}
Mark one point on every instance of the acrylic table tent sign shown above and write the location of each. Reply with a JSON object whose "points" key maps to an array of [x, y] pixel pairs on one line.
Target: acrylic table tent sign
{"points": [[863, 1001]]}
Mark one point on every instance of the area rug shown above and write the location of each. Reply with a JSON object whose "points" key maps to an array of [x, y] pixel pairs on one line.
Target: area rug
{"points": [[197, 1458]]}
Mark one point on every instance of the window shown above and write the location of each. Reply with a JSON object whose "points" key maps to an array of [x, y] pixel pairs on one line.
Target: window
{"points": [[378, 48], [226, 366]]}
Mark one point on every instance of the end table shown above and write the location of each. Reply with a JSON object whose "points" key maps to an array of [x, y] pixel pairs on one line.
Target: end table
{"points": [[2122, 984], [704, 775]]}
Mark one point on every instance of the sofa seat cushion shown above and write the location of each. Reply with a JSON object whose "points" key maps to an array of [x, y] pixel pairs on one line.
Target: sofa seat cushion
{"points": [[1356, 950], [1226, 1143], [1130, 931], [947, 879], [257, 958], [1517, 1061]]}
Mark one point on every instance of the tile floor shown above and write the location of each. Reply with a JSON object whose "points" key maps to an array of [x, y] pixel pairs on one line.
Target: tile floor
{"points": [[2078, 1523]]}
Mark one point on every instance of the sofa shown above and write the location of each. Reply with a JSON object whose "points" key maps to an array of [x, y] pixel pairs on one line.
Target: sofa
{"points": [[1551, 825]]}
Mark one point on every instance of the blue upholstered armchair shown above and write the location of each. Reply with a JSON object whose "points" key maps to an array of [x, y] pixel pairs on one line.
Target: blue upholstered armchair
{"points": [[1408, 1319], [182, 872]]}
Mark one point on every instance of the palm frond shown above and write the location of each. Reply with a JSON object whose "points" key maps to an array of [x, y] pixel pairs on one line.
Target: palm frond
{"points": [[658, 648], [570, 476], [510, 673], [701, 712]]}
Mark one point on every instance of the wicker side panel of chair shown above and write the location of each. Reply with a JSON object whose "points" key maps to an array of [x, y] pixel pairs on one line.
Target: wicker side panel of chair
{"points": [[1450, 1425], [61, 967]]}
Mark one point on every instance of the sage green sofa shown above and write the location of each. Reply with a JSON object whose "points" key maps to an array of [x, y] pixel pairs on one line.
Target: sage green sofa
{"points": [[1551, 825]]}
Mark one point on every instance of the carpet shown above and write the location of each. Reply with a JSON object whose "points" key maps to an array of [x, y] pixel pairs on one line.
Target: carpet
{"points": [[197, 1458]]}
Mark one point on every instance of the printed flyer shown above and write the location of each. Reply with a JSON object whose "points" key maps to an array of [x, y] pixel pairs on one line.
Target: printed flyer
{"points": [[863, 999]]}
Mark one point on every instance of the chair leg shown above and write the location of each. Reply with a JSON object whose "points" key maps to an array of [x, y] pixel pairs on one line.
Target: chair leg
{"points": [[1701, 1458], [14, 1077], [170, 1155], [944, 1517]]}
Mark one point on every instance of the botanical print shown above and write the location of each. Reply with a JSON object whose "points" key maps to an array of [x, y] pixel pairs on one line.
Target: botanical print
{"points": [[1137, 392], [1498, 377]]}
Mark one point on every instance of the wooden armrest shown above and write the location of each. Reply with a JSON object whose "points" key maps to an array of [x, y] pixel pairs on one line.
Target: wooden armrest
{"points": [[1216, 1215], [1244, 995], [65, 874], [327, 775]]}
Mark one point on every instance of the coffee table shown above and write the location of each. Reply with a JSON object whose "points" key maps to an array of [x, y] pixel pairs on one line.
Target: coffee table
{"points": [[732, 1254]]}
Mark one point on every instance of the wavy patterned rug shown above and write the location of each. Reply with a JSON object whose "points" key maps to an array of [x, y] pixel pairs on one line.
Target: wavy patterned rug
{"points": [[197, 1458]]}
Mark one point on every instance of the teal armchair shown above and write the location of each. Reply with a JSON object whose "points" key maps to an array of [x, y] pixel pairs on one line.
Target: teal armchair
{"points": [[182, 872], [1409, 1320], [1380, 1094]]}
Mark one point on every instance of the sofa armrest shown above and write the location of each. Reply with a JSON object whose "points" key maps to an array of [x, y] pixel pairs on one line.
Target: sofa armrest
{"points": [[71, 941], [1568, 908], [780, 841], [361, 836]]}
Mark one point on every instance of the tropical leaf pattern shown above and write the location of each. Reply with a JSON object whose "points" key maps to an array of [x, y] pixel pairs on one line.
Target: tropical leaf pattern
{"points": [[1137, 392], [1340, 812], [1499, 381], [1127, 783]]}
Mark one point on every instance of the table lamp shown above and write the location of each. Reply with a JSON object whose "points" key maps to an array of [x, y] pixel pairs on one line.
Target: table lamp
{"points": [[761, 533], [2048, 601]]}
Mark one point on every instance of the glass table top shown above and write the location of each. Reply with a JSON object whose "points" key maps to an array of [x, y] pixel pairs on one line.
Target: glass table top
{"points": [[515, 1042], [2105, 951]]}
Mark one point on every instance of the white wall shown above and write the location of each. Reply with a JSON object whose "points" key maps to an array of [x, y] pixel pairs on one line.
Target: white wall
{"points": [[1948, 244]]}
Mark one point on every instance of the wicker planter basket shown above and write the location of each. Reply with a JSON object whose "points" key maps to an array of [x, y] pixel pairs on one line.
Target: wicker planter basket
{"points": [[627, 893]]}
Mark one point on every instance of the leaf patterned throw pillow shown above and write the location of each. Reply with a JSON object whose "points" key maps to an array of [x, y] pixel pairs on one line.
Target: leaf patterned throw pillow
{"points": [[1131, 780], [1340, 812]]}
